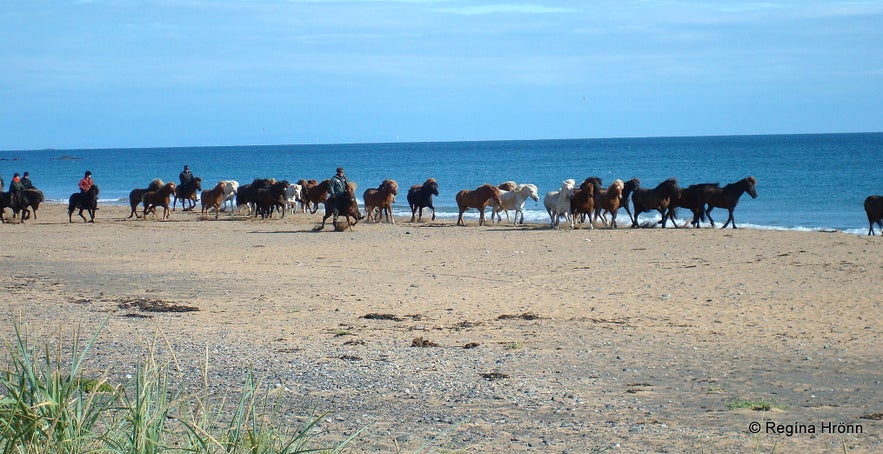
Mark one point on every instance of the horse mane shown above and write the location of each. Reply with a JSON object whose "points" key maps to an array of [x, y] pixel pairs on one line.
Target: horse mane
{"points": [[615, 188], [507, 185], [527, 185], [668, 182]]}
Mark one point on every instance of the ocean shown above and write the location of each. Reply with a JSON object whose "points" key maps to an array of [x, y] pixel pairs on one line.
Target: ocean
{"points": [[805, 181]]}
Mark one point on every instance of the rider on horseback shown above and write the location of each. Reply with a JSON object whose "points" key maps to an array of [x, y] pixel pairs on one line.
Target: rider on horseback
{"points": [[186, 179], [85, 185], [337, 190]]}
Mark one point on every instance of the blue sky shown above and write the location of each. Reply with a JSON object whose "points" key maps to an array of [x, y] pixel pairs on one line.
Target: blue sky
{"points": [[126, 73]]}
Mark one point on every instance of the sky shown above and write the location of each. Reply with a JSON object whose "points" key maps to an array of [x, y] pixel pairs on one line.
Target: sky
{"points": [[127, 73]]}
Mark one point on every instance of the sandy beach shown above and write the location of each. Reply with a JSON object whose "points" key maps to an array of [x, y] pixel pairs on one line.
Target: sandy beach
{"points": [[530, 339]]}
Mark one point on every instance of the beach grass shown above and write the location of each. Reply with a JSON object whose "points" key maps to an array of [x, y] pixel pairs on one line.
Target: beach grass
{"points": [[47, 404]]}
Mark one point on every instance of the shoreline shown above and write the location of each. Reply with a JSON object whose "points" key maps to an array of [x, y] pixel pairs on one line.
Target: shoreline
{"points": [[640, 340], [535, 218]]}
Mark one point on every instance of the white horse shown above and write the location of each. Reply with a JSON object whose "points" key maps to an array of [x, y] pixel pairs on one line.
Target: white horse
{"points": [[230, 187], [557, 203], [293, 195], [514, 200]]}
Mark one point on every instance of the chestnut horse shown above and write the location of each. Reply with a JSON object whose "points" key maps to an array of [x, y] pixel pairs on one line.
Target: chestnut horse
{"points": [[160, 197], [213, 198], [657, 199], [420, 197], [83, 201], [728, 196], [382, 199], [189, 193], [607, 200], [477, 198], [583, 203], [314, 193]]}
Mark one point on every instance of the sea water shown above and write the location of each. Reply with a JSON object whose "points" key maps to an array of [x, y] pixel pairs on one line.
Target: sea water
{"points": [[808, 181]]}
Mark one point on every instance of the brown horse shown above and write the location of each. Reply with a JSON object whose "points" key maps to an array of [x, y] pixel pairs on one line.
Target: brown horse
{"points": [[213, 198], [420, 197], [347, 206], [583, 202], [478, 198], [137, 194], [657, 199], [189, 193], [160, 197], [314, 193], [874, 210], [382, 199], [607, 200], [728, 196]]}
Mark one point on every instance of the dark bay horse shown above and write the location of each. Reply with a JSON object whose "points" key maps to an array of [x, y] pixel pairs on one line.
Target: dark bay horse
{"points": [[189, 193], [728, 196], [874, 210], [28, 200], [83, 201], [347, 206], [657, 199], [381, 199], [478, 198], [420, 197], [135, 196]]}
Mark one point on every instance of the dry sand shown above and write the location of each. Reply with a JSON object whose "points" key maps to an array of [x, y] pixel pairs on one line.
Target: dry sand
{"points": [[637, 340]]}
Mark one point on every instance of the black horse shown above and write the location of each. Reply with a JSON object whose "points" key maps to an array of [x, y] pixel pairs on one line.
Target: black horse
{"points": [[28, 200], [657, 199], [691, 198], [83, 201], [728, 196], [420, 197], [187, 193]]}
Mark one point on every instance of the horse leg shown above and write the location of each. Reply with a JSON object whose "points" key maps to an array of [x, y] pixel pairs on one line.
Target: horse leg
{"points": [[708, 215], [730, 219]]}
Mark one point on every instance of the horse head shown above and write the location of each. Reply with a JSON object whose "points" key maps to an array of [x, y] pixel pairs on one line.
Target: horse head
{"points": [[391, 186], [751, 182], [630, 186], [591, 181], [615, 189], [529, 190]]}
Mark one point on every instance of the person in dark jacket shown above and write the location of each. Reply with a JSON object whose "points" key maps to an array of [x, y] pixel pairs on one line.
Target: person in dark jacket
{"points": [[336, 189], [26, 181]]}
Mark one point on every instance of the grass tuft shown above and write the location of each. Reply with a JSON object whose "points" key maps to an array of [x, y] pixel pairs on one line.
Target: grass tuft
{"points": [[48, 405]]}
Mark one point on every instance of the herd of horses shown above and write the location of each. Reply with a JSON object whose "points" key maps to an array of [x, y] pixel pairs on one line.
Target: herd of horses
{"points": [[588, 203]]}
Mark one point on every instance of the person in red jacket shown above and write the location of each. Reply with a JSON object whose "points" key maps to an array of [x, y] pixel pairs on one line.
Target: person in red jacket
{"points": [[86, 183]]}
